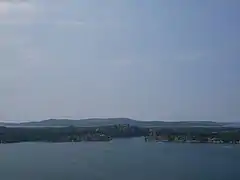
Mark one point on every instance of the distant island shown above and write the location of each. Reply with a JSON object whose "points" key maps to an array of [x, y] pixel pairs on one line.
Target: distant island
{"points": [[63, 130], [95, 122]]}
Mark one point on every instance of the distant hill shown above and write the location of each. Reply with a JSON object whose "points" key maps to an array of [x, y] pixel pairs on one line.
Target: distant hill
{"points": [[82, 122], [233, 125], [113, 121]]}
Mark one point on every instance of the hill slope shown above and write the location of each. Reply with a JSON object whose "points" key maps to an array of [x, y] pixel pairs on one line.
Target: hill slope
{"points": [[114, 121]]}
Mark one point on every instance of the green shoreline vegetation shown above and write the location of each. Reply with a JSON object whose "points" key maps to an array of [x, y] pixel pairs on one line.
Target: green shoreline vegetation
{"points": [[107, 133]]}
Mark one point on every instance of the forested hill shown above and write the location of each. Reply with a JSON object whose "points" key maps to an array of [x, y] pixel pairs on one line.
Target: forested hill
{"points": [[113, 121]]}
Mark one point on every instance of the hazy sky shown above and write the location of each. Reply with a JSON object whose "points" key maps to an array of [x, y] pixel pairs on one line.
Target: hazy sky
{"points": [[148, 60]]}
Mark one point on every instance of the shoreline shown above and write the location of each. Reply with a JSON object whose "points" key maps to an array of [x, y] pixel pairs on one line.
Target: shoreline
{"points": [[108, 133], [99, 141]]}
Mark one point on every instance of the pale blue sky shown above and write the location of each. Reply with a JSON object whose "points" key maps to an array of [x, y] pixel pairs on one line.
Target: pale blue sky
{"points": [[148, 60]]}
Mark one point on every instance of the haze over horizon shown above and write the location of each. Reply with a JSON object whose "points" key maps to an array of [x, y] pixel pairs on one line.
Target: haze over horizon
{"points": [[145, 60]]}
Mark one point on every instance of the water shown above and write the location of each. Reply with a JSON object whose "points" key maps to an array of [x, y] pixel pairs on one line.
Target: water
{"points": [[129, 159]]}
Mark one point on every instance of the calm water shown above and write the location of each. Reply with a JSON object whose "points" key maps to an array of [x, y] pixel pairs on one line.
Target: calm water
{"points": [[121, 159]]}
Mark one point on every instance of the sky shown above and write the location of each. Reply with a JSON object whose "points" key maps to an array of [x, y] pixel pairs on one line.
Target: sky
{"points": [[147, 60]]}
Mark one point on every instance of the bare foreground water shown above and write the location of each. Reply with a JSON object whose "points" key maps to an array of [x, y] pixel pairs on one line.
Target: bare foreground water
{"points": [[128, 159]]}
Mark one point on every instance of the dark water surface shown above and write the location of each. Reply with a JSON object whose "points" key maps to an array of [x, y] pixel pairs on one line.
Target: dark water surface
{"points": [[129, 159]]}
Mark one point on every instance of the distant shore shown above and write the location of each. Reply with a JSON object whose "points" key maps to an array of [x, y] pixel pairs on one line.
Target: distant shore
{"points": [[214, 135]]}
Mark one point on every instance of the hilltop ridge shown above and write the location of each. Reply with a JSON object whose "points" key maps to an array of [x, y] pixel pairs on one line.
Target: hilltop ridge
{"points": [[91, 122]]}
